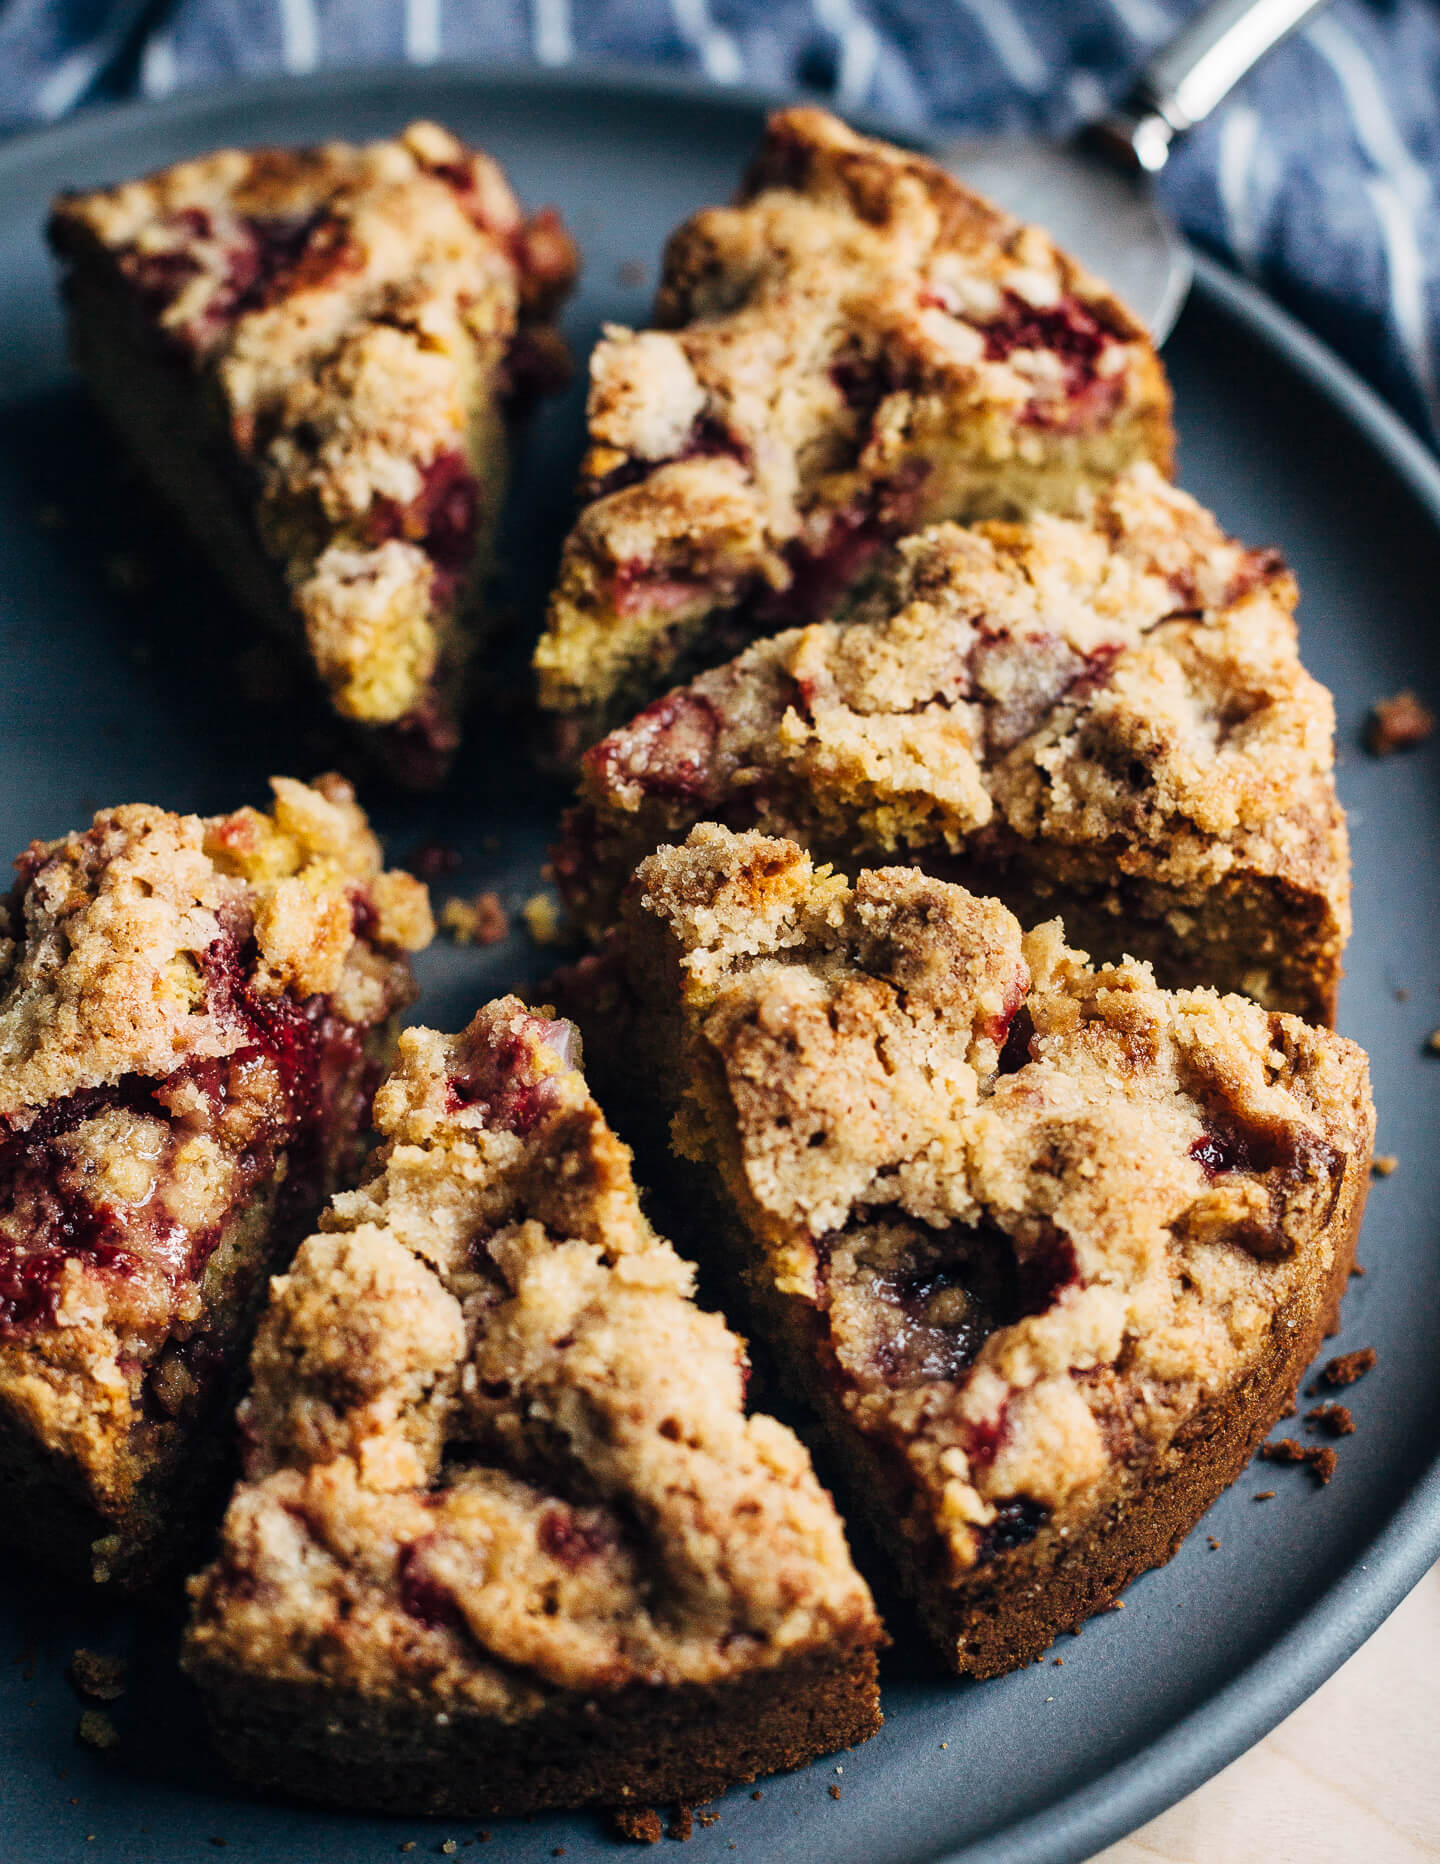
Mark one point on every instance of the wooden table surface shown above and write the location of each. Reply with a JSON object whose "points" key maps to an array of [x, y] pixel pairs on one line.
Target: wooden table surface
{"points": [[1353, 1777]]}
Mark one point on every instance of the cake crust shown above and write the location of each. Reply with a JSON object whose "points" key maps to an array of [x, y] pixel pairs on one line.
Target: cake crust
{"points": [[1104, 716], [193, 1017], [1045, 1247], [507, 1538], [856, 347], [313, 354]]}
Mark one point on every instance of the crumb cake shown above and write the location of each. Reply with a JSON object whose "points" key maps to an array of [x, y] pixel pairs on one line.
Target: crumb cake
{"points": [[194, 1015], [1101, 716], [1046, 1247], [506, 1537], [857, 347], [313, 355]]}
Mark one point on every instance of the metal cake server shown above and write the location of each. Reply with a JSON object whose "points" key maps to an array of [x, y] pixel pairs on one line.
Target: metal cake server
{"points": [[1093, 194]]}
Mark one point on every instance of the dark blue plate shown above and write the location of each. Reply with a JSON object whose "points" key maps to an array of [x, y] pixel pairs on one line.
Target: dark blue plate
{"points": [[123, 679]]}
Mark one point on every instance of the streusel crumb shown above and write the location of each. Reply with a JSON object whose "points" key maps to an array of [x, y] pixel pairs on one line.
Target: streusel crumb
{"points": [[498, 1463], [858, 346], [347, 328], [1105, 716], [193, 1012], [1015, 1223]]}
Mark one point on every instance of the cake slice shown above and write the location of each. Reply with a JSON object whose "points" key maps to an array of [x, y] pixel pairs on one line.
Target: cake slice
{"points": [[1046, 1248], [194, 1015], [313, 355], [506, 1538], [1103, 716], [857, 347]]}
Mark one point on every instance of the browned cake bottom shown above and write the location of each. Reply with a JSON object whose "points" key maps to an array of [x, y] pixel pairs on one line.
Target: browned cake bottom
{"points": [[1007, 1612], [642, 1745]]}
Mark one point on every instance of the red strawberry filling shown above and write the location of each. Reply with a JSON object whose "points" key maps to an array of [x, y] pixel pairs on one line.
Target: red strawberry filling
{"points": [[923, 1320], [572, 1537], [665, 750], [441, 518], [260, 258], [423, 1596], [640, 588], [48, 1217], [1016, 1522], [709, 438], [500, 1075], [1078, 334]]}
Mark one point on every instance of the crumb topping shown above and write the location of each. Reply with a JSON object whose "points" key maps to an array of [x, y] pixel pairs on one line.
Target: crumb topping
{"points": [[1034, 1209], [1127, 681], [354, 311], [494, 1449], [184, 1008], [120, 942], [857, 346]]}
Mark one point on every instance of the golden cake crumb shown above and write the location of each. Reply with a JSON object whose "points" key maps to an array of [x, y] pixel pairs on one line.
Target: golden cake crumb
{"points": [[856, 347], [1398, 724], [97, 1730], [498, 1465], [543, 919], [478, 921], [100, 1677]]}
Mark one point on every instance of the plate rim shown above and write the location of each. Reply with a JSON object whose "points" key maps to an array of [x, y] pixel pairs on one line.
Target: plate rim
{"points": [[1076, 1824]]}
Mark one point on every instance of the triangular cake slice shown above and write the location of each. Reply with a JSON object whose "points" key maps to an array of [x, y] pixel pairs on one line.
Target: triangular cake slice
{"points": [[1047, 1248], [1104, 717], [507, 1538], [313, 355], [194, 1016], [858, 346]]}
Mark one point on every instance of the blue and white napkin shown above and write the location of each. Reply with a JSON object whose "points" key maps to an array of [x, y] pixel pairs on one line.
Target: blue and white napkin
{"points": [[1318, 177]]}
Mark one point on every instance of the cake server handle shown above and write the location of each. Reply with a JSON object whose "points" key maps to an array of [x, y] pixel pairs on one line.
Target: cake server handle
{"points": [[1197, 70]]}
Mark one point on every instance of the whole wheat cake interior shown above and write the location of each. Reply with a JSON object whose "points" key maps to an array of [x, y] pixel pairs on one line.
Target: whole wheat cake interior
{"points": [[856, 347], [1103, 716], [194, 1015], [506, 1537], [314, 355], [1046, 1248]]}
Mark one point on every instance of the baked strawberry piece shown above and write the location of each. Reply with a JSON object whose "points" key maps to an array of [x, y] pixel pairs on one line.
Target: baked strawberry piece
{"points": [[857, 347], [1047, 1248], [314, 355], [1104, 717], [194, 1015], [506, 1537]]}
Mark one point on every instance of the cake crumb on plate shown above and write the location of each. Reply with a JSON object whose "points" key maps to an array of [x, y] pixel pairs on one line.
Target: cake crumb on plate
{"points": [[97, 1676], [1318, 1458], [97, 1730], [1398, 724], [1334, 1419], [1345, 1368], [478, 921]]}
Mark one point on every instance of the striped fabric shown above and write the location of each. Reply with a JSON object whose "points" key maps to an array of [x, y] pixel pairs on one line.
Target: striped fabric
{"points": [[1318, 177]]}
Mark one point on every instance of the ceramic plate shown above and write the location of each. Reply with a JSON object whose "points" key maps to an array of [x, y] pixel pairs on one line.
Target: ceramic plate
{"points": [[124, 679]]}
